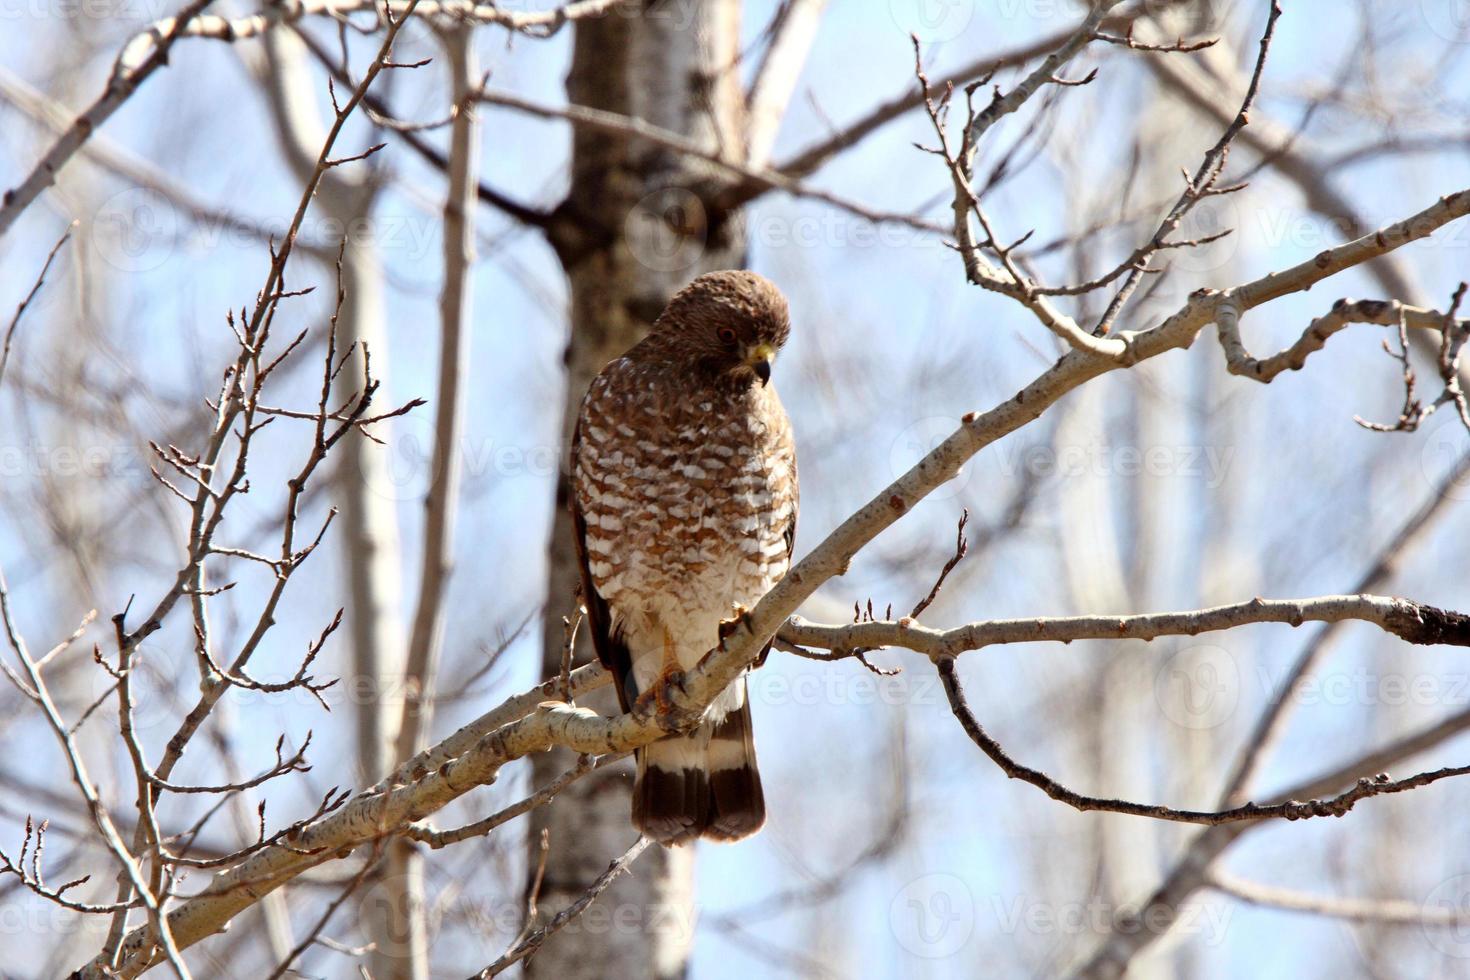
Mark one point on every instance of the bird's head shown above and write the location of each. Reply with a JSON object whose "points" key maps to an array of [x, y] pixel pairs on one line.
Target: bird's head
{"points": [[728, 325]]}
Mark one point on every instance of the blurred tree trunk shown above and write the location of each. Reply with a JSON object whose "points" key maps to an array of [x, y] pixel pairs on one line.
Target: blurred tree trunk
{"points": [[630, 232]]}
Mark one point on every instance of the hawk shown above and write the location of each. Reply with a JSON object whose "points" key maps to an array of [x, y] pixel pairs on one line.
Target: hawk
{"points": [[684, 512]]}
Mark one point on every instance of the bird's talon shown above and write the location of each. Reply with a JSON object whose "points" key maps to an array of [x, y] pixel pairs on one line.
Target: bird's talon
{"points": [[674, 678], [728, 626]]}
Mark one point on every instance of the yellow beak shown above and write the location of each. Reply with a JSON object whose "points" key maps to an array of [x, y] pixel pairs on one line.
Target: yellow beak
{"points": [[760, 358]]}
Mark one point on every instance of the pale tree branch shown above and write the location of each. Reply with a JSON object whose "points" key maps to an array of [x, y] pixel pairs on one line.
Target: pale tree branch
{"points": [[775, 78], [455, 313], [1392, 911], [437, 839], [538, 23], [406, 957], [133, 67], [1411, 621], [1385, 313]]}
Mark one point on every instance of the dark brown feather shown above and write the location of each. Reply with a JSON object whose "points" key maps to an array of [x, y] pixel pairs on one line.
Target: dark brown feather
{"points": [[737, 805], [612, 652]]}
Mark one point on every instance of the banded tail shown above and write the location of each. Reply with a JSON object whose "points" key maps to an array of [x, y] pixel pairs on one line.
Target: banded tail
{"points": [[703, 784]]}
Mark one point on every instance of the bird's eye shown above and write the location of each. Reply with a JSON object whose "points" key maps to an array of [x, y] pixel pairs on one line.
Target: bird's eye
{"points": [[726, 335]]}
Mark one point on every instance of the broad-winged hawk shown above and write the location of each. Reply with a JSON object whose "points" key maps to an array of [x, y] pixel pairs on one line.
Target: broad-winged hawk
{"points": [[684, 505]]}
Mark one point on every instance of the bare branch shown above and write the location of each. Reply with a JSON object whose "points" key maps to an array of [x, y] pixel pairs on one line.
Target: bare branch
{"points": [[132, 70], [1337, 806], [35, 288], [533, 942]]}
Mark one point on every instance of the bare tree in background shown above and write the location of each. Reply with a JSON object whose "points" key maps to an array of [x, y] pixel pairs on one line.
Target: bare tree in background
{"points": [[355, 837]]}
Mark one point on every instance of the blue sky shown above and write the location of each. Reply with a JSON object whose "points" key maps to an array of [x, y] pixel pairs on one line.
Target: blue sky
{"points": [[1259, 490]]}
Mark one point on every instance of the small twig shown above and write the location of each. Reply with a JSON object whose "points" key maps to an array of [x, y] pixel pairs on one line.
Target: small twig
{"points": [[961, 548], [35, 288]]}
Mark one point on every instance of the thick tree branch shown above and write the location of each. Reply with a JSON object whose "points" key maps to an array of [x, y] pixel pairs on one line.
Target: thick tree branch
{"points": [[1411, 621]]}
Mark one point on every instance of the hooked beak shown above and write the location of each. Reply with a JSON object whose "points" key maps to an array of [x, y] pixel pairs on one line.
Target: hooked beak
{"points": [[759, 358]]}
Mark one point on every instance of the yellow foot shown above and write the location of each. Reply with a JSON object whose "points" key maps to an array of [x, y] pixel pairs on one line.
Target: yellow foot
{"points": [[656, 698], [728, 626]]}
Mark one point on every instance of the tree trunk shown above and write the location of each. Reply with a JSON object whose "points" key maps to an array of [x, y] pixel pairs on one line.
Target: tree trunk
{"points": [[632, 230]]}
